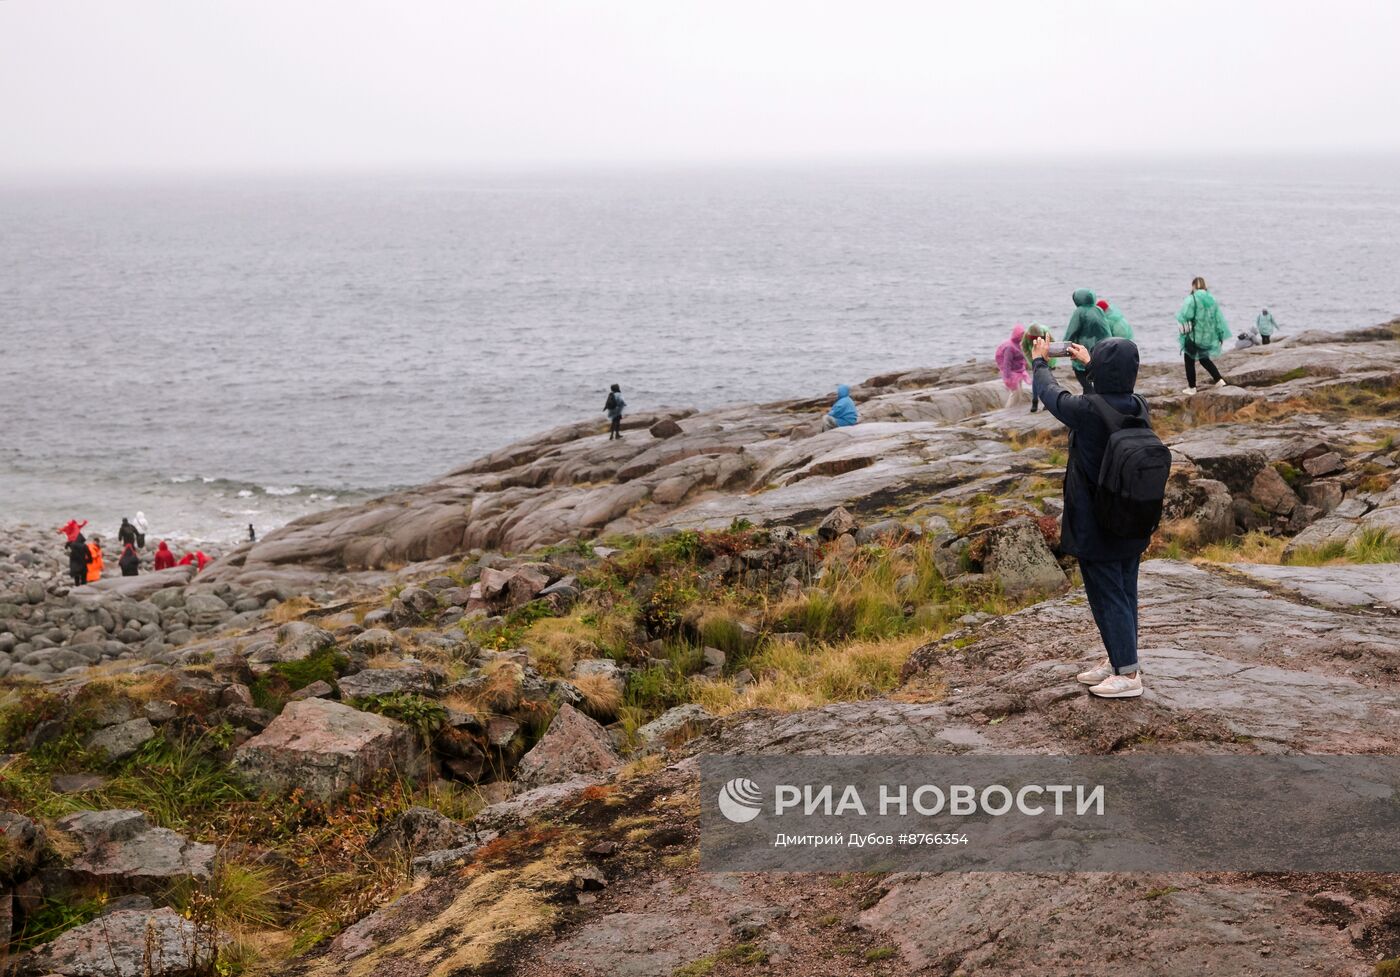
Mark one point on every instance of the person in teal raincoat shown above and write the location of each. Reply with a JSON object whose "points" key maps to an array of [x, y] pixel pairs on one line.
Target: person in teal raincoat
{"points": [[1118, 326], [1264, 322], [1202, 329], [1087, 327]]}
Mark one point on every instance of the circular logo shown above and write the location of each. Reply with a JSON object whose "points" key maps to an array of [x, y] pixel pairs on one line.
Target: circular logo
{"points": [[740, 800]]}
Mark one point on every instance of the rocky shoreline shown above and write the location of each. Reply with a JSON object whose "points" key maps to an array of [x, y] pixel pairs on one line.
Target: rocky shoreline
{"points": [[453, 730]]}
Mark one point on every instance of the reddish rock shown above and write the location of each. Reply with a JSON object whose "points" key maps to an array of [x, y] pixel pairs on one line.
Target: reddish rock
{"points": [[1272, 492], [574, 745], [325, 748], [1324, 464], [665, 428]]}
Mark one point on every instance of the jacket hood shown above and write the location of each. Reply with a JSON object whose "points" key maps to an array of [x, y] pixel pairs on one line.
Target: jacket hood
{"points": [[162, 547], [842, 391], [1083, 296], [1113, 366], [1017, 332]]}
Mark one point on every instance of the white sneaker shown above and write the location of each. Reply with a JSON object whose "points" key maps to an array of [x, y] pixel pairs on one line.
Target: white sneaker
{"points": [[1222, 382], [1118, 687], [1190, 391], [1096, 675]]}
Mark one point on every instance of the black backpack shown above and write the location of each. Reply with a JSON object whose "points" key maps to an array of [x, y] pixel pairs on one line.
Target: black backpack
{"points": [[1132, 480]]}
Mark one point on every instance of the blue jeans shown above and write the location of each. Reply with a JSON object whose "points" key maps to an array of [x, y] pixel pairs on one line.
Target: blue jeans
{"points": [[1111, 586]]}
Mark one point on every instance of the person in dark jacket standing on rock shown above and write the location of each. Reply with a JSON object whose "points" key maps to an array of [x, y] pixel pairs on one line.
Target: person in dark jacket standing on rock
{"points": [[78, 557], [613, 408], [1108, 563], [130, 563], [126, 535]]}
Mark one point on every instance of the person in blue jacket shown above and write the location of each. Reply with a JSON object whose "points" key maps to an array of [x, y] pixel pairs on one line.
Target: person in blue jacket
{"points": [[843, 412]]}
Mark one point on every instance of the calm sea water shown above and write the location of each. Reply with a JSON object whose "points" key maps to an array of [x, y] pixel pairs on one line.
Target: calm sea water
{"points": [[223, 352]]}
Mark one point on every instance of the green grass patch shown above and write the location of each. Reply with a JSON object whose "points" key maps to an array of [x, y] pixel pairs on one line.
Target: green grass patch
{"points": [[55, 917], [270, 691], [423, 715], [179, 782], [1373, 545], [1290, 474]]}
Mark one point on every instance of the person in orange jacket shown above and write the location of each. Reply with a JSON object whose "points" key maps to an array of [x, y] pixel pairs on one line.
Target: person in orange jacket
{"points": [[95, 563], [164, 558]]}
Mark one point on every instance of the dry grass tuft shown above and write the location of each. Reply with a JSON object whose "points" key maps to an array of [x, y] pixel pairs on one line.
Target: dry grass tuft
{"points": [[602, 697], [555, 643], [1253, 547], [291, 609], [792, 678]]}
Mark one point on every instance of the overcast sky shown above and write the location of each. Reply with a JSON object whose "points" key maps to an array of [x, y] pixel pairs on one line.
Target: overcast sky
{"points": [[300, 84]]}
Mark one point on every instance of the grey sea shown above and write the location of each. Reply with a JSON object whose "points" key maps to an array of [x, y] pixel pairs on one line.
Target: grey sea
{"points": [[217, 352]]}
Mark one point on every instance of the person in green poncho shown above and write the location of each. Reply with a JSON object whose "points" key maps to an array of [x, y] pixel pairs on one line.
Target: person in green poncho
{"points": [[1202, 329], [1118, 326], [1087, 326], [1033, 332]]}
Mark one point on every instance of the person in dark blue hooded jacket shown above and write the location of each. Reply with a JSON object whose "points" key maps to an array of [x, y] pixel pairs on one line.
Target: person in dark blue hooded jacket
{"points": [[843, 412], [1108, 563]]}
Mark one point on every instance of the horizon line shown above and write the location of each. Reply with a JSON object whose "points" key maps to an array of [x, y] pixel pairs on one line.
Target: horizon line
{"points": [[535, 166]]}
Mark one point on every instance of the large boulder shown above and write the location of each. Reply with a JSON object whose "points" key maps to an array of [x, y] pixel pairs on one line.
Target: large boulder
{"points": [[1273, 493], [515, 586], [374, 641], [676, 725], [1205, 502], [296, 640], [127, 943], [121, 850], [206, 609], [573, 745], [326, 748], [1017, 556], [385, 681], [838, 522], [22, 845], [419, 830], [122, 740], [1219, 456], [665, 428]]}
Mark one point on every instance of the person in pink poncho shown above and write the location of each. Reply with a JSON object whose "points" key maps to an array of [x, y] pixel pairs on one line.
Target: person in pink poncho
{"points": [[1012, 364]]}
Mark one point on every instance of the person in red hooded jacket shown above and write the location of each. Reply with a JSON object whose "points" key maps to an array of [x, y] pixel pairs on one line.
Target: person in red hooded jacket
{"points": [[186, 560], [201, 559], [164, 558]]}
